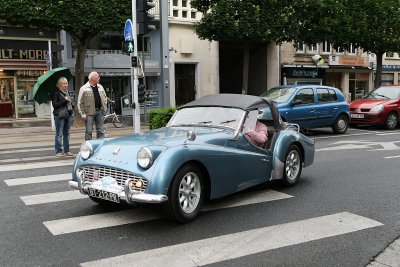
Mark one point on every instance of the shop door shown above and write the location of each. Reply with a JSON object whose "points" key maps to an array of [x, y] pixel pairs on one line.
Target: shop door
{"points": [[185, 85], [7, 96]]}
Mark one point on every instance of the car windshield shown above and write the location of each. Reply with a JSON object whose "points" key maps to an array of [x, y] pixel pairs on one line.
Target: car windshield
{"points": [[387, 92], [279, 95], [208, 116]]}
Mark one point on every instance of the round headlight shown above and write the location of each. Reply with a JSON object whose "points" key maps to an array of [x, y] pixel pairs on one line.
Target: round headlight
{"points": [[86, 150], [145, 158], [377, 108]]}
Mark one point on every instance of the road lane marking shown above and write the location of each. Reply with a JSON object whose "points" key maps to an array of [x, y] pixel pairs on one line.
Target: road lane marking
{"points": [[35, 165], [392, 157], [52, 197], [90, 222], [39, 179], [236, 245], [16, 160]]}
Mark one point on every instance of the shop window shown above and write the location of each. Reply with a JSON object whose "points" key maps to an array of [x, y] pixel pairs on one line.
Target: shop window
{"points": [[387, 78]]}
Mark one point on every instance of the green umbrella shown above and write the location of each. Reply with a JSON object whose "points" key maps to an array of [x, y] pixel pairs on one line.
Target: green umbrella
{"points": [[46, 84]]}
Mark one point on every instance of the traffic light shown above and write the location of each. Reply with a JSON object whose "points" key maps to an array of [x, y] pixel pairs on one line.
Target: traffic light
{"points": [[127, 47], [141, 93], [55, 57], [144, 18]]}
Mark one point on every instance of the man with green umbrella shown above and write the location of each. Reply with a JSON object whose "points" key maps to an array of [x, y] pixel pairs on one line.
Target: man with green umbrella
{"points": [[92, 105]]}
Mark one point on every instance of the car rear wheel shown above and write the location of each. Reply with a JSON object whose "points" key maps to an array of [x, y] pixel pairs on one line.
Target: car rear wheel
{"points": [[292, 167], [392, 121], [185, 196], [341, 125]]}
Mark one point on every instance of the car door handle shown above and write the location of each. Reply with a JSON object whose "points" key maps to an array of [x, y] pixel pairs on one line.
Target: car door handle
{"points": [[335, 108], [313, 110]]}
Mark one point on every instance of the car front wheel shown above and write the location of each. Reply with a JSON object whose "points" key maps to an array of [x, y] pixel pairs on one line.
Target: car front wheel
{"points": [[341, 125], [391, 121], [292, 167], [185, 197]]}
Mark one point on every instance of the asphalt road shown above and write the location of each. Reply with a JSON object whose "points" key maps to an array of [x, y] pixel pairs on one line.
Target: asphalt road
{"points": [[344, 211]]}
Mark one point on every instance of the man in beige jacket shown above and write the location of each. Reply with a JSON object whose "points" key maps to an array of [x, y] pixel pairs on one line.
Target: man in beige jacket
{"points": [[92, 105]]}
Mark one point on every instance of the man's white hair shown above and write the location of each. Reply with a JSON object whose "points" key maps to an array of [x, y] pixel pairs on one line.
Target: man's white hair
{"points": [[93, 73]]}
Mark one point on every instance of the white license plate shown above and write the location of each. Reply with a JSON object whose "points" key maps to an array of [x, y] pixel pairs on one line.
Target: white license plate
{"points": [[103, 195], [357, 116]]}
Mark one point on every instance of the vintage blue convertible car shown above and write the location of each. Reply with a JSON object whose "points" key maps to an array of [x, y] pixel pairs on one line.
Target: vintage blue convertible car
{"points": [[202, 153]]}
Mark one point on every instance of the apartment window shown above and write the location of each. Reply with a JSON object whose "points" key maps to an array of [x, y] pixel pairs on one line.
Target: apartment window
{"points": [[389, 54], [312, 48], [175, 3], [184, 14], [193, 15], [184, 3], [175, 13], [299, 47], [352, 49], [339, 50], [326, 47]]}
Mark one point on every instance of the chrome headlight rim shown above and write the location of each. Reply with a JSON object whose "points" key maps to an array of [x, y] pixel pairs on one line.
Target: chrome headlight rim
{"points": [[378, 108], [145, 158], [86, 150]]}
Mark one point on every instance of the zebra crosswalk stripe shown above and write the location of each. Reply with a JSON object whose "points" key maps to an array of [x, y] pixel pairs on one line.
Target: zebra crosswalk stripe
{"points": [[35, 165], [38, 179], [232, 246], [52, 197], [90, 222]]}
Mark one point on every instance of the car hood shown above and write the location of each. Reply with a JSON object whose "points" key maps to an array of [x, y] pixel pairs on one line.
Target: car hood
{"points": [[165, 137], [367, 103]]}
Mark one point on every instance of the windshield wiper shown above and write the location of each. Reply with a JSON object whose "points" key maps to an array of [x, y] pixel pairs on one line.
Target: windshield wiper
{"points": [[203, 122], [382, 96], [228, 121]]}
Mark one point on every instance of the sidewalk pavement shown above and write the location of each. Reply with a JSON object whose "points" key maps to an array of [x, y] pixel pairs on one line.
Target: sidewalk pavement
{"points": [[389, 257]]}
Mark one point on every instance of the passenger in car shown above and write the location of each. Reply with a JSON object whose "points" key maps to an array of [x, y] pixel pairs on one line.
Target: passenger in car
{"points": [[259, 135]]}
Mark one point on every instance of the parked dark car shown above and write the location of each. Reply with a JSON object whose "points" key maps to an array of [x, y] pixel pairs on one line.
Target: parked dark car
{"points": [[311, 106], [379, 107], [202, 153]]}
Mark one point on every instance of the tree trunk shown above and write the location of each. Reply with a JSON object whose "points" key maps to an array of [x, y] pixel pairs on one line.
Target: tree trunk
{"points": [[378, 77], [82, 44], [246, 56]]}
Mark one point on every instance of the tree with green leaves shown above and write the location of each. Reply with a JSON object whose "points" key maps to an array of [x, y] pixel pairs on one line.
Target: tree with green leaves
{"points": [[83, 20], [250, 21], [371, 25]]}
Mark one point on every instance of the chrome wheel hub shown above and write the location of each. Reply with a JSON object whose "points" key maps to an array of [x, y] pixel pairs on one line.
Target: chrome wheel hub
{"points": [[292, 165], [189, 192]]}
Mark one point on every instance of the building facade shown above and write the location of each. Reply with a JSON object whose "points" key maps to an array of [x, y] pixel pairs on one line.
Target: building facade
{"points": [[23, 54]]}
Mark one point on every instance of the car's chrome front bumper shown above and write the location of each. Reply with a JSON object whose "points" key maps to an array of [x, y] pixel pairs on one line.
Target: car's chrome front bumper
{"points": [[127, 195]]}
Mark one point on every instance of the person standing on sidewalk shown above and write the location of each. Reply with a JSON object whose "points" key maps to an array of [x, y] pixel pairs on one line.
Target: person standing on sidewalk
{"points": [[63, 115], [92, 105]]}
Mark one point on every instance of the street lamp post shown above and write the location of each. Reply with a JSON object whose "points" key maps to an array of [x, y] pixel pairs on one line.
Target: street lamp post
{"points": [[134, 74]]}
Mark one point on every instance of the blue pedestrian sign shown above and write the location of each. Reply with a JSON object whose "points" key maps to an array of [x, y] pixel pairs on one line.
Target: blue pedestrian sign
{"points": [[128, 30]]}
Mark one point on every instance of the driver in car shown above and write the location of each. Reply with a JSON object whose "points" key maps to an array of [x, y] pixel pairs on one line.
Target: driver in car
{"points": [[260, 133]]}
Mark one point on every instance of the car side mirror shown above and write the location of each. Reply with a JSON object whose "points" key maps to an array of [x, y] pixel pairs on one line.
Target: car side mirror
{"points": [[296, 102]]}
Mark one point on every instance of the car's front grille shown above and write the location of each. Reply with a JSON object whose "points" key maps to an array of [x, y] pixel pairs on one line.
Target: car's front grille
{"points": [[94, 173]]}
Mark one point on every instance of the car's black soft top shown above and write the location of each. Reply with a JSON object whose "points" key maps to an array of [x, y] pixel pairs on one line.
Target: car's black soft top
{"points": [[244, 102]]}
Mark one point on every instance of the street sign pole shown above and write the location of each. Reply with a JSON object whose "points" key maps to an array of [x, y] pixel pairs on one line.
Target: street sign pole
{"points": [[50, 65], [134, 73]]}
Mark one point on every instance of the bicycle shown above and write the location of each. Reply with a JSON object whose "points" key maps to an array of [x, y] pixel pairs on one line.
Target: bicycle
{"points": [[117, 120]]}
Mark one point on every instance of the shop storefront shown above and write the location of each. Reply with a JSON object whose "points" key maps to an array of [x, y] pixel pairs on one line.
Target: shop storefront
{"points": [[390, 74], [22, 61], [302, 75]]}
